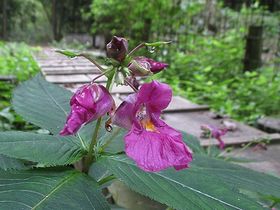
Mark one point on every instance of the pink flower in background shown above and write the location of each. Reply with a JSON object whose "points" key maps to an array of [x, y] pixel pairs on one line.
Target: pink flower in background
{"points": [[215, 132], [150, 142], [87, 104], [141, 66]]}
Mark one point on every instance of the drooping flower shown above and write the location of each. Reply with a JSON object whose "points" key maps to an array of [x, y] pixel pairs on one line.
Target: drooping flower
{"points": [[217, 133], [150, 142], [87, 104], [117, 48], [142, 66]]}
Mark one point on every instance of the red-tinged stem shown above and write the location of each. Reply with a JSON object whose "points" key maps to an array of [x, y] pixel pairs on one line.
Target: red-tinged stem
{"points": [[136, 49]]}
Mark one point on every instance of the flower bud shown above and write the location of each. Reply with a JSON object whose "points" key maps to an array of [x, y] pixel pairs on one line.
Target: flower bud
{"points": [[87, 104], [141, 66], [117, 48]]}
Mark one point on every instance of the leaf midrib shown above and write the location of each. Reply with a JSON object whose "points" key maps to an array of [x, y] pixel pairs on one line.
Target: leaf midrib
{"points": [[52, 98], [63, 182], [183, 185]]}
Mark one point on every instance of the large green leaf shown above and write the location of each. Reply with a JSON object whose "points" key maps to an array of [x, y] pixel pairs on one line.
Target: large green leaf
{"points": [[208, 183], [41, 189], [45, 149], [42, 103], [8, 163], [47, 106]]}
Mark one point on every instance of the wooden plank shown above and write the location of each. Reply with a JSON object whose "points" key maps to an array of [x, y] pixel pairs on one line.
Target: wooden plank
{"points": [[64, 63], [241, 139], [115, 90], [8, 78], [269, 124], [69, 72], [192, 121], [261, 159], [74, 79], [179, 104], [72, 67]]}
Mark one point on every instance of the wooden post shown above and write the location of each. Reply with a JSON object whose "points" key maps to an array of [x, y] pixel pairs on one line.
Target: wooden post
{"points": [[253, 51]]}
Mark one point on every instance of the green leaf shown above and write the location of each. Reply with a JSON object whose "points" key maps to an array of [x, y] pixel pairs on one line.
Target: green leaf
{"points": [[42, 103], [41, 189], [8, 163], [208, 183], [44, 149], [47, 106], [157, 44], [68, 53], [113, 141], [193, 143]]}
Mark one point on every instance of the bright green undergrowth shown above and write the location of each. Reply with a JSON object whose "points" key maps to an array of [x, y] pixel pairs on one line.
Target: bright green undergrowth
{"points": [[15, 60]]}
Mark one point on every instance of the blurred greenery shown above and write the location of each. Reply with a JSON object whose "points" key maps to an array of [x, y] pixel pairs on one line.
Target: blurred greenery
{"points": [[206, 57], [15, 60]]}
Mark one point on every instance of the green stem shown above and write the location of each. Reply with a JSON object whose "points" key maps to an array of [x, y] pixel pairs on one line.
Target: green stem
{"points": [[87, 56], [94, 139], [102, 74], [90, 156], [136, 49]]}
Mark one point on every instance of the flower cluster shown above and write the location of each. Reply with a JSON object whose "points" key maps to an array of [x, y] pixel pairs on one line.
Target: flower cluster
{"points": [[150, 142], [217, 133]]}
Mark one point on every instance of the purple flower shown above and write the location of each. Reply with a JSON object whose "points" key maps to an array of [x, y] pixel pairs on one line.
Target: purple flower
{"points": [[141, 66], [117, 48], [87, 104], [150, 142], [216, 133]]}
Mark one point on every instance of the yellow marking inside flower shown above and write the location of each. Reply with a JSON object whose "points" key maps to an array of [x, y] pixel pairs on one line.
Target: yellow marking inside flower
{"points": [[148, 125]]}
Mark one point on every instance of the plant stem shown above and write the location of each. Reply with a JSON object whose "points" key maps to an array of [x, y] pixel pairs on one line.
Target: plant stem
{"points": [[87, 56], [131, 85], [90, 156], [136, 49], [100, 75]]}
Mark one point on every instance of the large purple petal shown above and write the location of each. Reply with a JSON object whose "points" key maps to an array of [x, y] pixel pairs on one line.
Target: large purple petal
{"points": [[157, 150], [87, 104], [155, 95], [125, 113]]}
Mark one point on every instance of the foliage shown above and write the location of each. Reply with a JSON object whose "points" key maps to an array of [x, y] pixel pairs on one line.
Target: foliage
{"points": [[15, 60], [143, 18], [206, 60], [27, 21], [211, 72], [208, 183]]}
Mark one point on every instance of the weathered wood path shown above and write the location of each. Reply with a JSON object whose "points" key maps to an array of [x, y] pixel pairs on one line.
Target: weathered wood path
{"points": [[181, 113]]}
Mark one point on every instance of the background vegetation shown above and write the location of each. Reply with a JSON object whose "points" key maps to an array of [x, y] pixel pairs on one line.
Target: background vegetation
{"points": [[206, 57]]}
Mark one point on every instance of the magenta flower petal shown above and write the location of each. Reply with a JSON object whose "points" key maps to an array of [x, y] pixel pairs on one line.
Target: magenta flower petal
{"points": [[87, 104], [156, 66], [125, 113], [151, 143], [216, 133], [155, 95], [155, 151]]}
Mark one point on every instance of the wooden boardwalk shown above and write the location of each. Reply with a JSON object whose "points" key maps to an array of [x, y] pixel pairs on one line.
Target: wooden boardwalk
{"points": [[181, 113]]}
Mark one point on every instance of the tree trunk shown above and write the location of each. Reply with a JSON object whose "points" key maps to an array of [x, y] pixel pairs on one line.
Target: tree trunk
{"points": [[4, 19], [253, 51], [54, 20]]}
